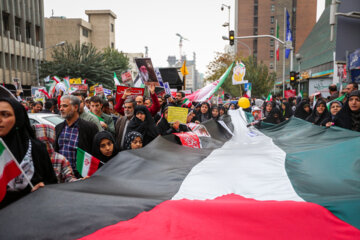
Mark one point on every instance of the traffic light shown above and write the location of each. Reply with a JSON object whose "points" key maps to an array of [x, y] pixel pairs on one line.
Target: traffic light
{"points": [[231, 37], [294, 76]]}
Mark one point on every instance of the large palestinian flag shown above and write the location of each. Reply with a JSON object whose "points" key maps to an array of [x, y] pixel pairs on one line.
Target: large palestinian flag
{"points": [[290, 181]]}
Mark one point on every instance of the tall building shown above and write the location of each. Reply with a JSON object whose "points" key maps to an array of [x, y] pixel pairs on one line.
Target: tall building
{"points": [[260, 17], [21, 40], [98, 30]]}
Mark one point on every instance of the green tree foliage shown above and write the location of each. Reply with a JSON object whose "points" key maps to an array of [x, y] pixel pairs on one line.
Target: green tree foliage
{"points": [[85, 61], [257, 74]]}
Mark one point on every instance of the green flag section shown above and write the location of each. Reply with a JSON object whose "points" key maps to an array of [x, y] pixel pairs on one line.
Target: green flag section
{"points": [[85, 163], [340, 99], [322, 165], [269, 98], [100, 118]]}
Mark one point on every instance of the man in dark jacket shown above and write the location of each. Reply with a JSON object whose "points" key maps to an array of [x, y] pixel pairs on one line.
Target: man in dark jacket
{"points": [[74, 132]]}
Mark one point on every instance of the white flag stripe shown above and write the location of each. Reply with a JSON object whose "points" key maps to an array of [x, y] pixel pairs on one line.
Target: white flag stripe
{"points": [[249, 164], [86, 164]]}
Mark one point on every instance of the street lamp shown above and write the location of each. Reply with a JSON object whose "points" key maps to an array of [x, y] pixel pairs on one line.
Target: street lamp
{"points": [[227, 24], [37, 58]]}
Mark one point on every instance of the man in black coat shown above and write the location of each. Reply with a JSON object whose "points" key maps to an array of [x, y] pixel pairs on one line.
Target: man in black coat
{"points": [[74, 132]]}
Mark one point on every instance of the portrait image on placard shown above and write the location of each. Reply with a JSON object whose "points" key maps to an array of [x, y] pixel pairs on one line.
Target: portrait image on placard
{"points": [[146, 71]]}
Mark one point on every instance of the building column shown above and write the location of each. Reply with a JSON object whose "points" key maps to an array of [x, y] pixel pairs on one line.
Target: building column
{"points": [[2, 55], [9, 57]]}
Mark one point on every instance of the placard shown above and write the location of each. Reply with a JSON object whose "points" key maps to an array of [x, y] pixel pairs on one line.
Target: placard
{"points": [[126, 76], [133, 92], [177, 114], [75, 81], [99, 90], [189, 139], [146, 71], [167, 88], [35, 93], [78, 88]]}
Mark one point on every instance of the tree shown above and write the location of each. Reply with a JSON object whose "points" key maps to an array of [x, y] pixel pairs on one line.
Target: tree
{"points": [[85, 61], [257, 74]]}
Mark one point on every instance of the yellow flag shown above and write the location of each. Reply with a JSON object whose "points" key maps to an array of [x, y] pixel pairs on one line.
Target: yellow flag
{"points": [[183, 69]]}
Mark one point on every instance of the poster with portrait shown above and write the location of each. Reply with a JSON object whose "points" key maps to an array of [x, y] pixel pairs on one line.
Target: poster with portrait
{"points": [[146, 71]]}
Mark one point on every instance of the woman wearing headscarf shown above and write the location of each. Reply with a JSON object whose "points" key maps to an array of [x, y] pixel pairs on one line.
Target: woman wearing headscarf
{"points": [[319, 113], [222, 110], [144, 124], [62, 168], [215, 113], [274, 116], [166, 128], [104, 147], [267, 107], [31, 154], [335, 107], [349, 115], [204, 114], [133, 140], [286, 110], [303, 110]]}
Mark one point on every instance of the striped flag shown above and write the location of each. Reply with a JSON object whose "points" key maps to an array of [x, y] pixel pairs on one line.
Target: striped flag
{"points": [[116, 80], [67, 83], [86, 164], [280, 182], [269, 98], [56, 79], [206, 92], [9, 168]]}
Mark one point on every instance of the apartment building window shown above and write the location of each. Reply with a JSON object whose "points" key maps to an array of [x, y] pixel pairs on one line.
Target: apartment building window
{"points": [[271, 66], [271, 53], [112, 27], [6, 24], [272, 8], [112, 45], [85, 32], [255, 31], [272, 31], [271, 42], [256, 2], [255, 10], [37, 34], [255, 21], [272, 19], [17, 28], [28, 31]]}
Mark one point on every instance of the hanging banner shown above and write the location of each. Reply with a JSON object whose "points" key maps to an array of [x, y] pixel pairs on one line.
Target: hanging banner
{"points": [[189, 139], [177, 114], [290, 93], [133, 92], [239, 72], [126, 77]]}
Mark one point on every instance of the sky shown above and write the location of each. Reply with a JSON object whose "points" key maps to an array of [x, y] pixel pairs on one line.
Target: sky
{"points": [[155, 23]]}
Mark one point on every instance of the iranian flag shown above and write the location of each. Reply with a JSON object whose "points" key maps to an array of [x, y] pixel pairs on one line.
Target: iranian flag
{"points": [[269, 98], [85, 163], [9, 168], [56, 79], [186, 103], [67, 83], [116, 80], [277, 42], [206, 92]]}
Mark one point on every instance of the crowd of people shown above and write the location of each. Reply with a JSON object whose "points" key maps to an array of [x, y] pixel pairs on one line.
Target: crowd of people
{"points": [[339, 109], [98, 125], [103, 127]]}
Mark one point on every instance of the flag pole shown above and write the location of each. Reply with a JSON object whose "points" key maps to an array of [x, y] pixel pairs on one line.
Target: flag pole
{"points": [[22, 171], [284, 52]]}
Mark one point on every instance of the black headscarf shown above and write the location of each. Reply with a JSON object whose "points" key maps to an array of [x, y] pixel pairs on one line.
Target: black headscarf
{"points": [[300, 111], [212, 108], [129, 138], [146, 128], [206, 116], [275, 116], [287, 113], [96, 146], [18, 138], [265, 113], [347, 118], [315, 116]]}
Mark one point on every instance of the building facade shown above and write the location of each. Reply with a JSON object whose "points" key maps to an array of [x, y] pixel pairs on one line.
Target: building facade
{"points": [[99, 30], [22, 40], [261, 17]]}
